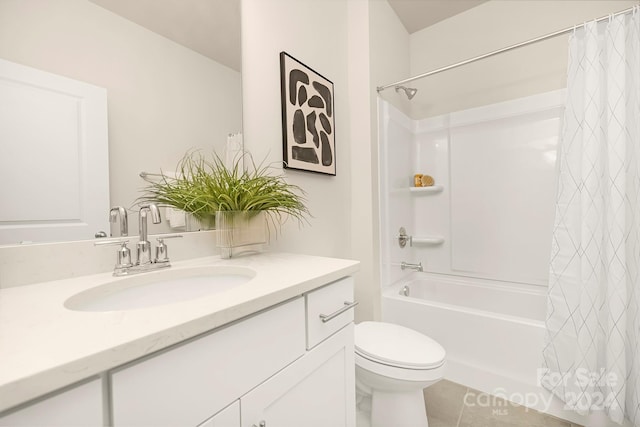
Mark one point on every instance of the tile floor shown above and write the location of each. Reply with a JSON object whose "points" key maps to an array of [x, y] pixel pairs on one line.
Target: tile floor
{"points": [[446, 407]]}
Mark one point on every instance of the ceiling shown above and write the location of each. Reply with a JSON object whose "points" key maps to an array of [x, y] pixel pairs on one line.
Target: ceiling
{"points": [[209, 27], [212, 27], [419, 14]]}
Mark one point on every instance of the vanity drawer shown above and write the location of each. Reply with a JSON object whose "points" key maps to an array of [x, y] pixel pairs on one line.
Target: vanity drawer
{"points": [[328, 310], [188, 384]]}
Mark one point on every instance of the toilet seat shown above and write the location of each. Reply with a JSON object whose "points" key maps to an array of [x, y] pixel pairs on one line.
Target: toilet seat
{"points": [[399, 374], [396, 346]]}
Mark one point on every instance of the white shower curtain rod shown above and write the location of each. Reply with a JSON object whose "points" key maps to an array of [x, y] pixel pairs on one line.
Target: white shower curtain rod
{"points": [[496, 52]]}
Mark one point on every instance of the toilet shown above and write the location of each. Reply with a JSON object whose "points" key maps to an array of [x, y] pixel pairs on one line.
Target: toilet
{"points": [[393, 365]]}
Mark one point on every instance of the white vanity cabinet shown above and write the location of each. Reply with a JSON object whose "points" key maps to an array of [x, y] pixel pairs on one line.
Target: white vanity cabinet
{"points": [[80, 406], [264, 361], [291, 364]]}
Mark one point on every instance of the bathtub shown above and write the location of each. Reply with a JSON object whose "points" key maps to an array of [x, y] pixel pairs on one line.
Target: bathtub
{"points": [[493, 332]]}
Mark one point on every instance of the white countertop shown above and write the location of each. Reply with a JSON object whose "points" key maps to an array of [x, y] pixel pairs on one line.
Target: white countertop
{"points": [[45, 346]]}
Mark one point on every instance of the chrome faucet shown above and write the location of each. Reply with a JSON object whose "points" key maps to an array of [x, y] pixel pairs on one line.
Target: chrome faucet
{"points": [[143, 245], [124, 266], [120, 212], [406, 265]]}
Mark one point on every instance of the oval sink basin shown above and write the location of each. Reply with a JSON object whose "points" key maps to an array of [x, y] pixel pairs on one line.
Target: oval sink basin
{"points": [[159, 288]]}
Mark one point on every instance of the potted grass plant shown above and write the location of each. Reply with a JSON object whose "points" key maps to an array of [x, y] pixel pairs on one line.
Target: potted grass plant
{"points": [[242, 203]]}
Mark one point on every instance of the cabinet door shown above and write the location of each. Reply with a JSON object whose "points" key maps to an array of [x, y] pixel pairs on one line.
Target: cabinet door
{"points": [[80, 406], [318, 390]]}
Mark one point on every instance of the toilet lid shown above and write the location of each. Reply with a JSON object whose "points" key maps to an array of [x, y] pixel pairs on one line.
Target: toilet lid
{"points": [[398, 346]]}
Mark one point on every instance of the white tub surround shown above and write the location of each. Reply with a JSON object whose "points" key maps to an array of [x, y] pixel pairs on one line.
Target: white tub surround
{"points": [[44, 346], [490, 213]]}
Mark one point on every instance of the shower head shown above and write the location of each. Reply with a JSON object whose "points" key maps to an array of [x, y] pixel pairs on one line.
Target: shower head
{"points": [[409, 91]]}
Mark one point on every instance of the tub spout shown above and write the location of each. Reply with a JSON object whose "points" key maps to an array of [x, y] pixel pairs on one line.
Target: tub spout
{"points": [[406, 265]]}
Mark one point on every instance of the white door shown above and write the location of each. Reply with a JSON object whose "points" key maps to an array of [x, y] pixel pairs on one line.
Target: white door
{"points": [[317, 390], [54, 157]]}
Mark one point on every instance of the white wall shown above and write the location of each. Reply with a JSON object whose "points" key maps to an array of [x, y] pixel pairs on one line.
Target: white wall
{"points": [[163, 98], [490, 26], [355, 44], [389, 44], [364, 241], [375, 33], [315, 32]]}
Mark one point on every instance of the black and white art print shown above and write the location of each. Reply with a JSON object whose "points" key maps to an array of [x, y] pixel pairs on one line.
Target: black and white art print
{"points": [[308, 125]]}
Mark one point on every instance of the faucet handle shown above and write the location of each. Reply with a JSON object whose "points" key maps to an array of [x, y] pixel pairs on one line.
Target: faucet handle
{"points": [[111, 242], [162, 254], [124, 254], [403, 238]]}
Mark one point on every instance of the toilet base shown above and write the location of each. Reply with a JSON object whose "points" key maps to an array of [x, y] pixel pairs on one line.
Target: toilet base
{"points": [[363, 410], [397, 409]]}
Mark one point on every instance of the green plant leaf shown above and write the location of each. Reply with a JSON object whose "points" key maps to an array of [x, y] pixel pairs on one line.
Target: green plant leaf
{"points": [[203, 186]]}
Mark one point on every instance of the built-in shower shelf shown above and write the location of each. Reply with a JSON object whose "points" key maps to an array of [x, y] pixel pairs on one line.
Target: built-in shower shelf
{"points": [[427, 190], [427, 241]]}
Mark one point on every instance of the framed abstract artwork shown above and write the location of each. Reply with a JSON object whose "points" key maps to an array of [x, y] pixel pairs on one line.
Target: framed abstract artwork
{"points": [[308, 125]]}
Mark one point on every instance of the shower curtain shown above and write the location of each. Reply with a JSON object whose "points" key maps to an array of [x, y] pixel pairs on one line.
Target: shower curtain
{"points": [[591, 354]]}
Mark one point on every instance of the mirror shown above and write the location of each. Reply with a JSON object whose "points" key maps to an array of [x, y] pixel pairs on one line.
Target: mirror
{"points": [[171, 70]]}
